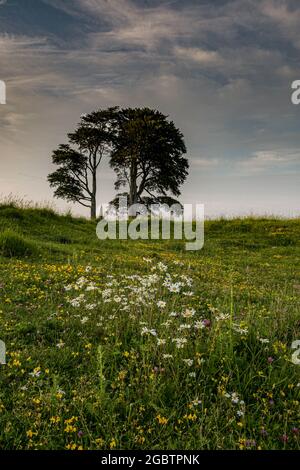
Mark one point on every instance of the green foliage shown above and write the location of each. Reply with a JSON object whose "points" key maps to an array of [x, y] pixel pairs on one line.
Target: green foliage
{"points": [[15, 245], [84, 375], [148, 155], [143, 147], [78, 161]]}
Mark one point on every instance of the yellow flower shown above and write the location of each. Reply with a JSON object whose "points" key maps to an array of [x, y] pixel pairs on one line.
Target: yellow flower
{"points": [[161, 420], [71, 447], [69, 428], [190, 417], [16, 363], [99, 442], [113, 444], [54, 419]]}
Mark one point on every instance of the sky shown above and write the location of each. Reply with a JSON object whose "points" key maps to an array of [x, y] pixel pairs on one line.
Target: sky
{"points": [[221, 70]]}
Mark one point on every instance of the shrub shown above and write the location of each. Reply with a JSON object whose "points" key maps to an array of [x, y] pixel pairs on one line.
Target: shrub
{"points": [[15, 245]]}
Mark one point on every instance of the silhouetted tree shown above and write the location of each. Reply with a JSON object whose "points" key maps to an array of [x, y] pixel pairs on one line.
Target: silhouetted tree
{"points": [[148, 156], [78, 161]]}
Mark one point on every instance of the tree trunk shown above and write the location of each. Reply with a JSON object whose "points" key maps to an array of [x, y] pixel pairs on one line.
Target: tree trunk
{"points": [[94, 192], [133, 183], [93, 208]]}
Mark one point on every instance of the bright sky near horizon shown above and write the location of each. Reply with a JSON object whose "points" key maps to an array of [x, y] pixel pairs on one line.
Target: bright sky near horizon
{"points": [[222, 70]]}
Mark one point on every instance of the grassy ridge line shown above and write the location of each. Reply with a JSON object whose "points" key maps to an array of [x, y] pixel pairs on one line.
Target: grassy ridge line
{"points": [[144, 345], [65, 234]]}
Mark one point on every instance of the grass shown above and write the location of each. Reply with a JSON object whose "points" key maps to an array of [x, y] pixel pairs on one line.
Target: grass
{"points": [[142, 345], [14, 245]]}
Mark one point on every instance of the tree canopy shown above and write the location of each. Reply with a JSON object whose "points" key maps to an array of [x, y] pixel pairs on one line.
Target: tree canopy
{"points": [[148, 156], [78, 161], [144, 148]]}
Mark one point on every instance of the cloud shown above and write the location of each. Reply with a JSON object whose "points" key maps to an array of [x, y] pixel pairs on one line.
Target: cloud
{"points": [[286, 15], [198, 55], [271, 160], [221, 70], [206, 163]]}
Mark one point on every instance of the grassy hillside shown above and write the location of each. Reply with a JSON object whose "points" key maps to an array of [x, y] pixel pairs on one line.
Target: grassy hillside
{"points": [[134, 345]]}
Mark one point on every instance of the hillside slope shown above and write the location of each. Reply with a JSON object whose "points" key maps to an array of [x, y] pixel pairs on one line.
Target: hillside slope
{"points": [[140, 344]]}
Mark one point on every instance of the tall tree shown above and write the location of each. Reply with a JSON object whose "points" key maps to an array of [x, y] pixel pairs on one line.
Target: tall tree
{"points": [[78, 161], [148, 156]]}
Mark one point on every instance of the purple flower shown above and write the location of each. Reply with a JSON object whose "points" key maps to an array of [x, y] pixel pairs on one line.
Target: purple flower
{"points": [[206, 323], [80, 434], [263, 432], [295, 430], [250, 443], [270, 360], [284, 438]]}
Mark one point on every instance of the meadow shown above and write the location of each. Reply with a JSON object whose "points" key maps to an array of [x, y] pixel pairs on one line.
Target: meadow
{"points": [[143, 345]]}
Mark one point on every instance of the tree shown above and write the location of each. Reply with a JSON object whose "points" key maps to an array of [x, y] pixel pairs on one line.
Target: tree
{"points": [[78, 161], [148, 156]]}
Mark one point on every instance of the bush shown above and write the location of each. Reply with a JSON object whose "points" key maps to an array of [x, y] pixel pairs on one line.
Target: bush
{"points": [[15, 245]]}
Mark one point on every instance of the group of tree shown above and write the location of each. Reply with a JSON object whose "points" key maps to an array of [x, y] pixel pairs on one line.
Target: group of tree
{"points": [[145, 149]]}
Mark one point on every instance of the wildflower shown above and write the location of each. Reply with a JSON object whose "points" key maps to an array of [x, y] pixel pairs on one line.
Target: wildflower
{"points": [[184, 326], [190, 417], [147, 331], [250, 443], [180, 342], [161, 342], [99, 442], [167, 356], [270, 360], [234, 398], [161, 304], [158, 370], [264, 340], [36, 372], [113, 444], [199, 325], [188, 362], [222, 316], [54, 419], [188, 313], [162, 267], [70, 428], [91, 306], [195, 403], [173, 314], [162, 420]]}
